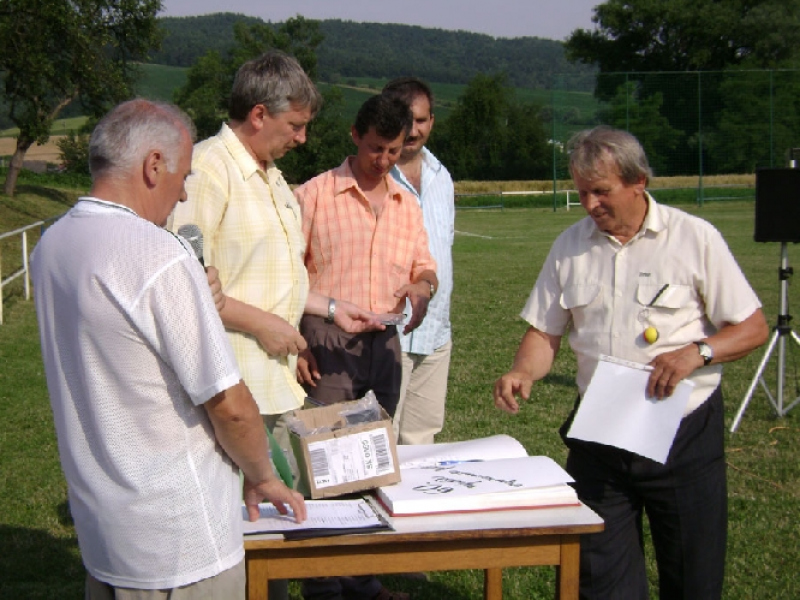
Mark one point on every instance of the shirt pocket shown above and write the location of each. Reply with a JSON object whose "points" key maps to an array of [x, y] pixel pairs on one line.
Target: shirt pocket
{"points": [[579, 296], [666, 296], [585, 305], [660, 303]]}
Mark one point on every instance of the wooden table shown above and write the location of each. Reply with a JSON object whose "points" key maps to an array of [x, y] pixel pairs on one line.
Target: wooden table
{"points": [[488, 540]]}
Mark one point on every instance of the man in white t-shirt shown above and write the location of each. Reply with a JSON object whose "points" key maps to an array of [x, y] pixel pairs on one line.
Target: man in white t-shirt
{"points": [[152, 418]]}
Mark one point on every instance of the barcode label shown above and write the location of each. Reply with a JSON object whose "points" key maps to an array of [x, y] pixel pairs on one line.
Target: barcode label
{"points": [[320, 466], [350, 458], [381, 444]]}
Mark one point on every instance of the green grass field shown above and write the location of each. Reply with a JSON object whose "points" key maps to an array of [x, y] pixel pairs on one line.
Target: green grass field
{"points": [[497, 256]]}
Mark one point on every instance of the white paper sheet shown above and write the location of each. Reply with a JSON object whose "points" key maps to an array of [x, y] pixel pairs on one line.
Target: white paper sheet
{"points": [[322, 514], [487, 448], [616, 411]]}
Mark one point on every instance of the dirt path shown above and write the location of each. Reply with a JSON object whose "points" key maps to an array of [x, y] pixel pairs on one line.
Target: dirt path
{"points": [[49, 152]]}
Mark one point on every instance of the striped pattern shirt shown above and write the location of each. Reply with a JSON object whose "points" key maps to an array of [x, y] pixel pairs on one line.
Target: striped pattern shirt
{"points": [[251, 226], [438, 209], [355, 255]]}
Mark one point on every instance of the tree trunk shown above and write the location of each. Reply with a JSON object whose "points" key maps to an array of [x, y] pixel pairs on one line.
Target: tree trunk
{"points": [[16, 165]]}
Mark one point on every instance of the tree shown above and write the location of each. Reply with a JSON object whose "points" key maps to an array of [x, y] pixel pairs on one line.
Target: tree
{"points": [[53, 52], [208, 85], [688, 35], [489, 136], [647, 41], [641, 116]]}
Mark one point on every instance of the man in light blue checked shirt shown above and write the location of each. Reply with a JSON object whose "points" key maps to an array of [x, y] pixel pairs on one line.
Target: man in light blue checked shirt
{"points": [[426, 351]]}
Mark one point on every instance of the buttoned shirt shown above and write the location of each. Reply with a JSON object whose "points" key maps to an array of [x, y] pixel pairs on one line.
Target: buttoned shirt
{"points": [[252, 233], [354, 254], [437, 200], [600, 291]]}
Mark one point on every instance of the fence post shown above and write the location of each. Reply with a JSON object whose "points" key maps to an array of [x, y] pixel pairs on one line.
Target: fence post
{"points": [[1, 284], [25, 265]]}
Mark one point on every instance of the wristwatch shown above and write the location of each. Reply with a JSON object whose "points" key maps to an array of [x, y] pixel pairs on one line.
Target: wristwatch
{"points": [[706, 351], [433, 288], [331, 310]]}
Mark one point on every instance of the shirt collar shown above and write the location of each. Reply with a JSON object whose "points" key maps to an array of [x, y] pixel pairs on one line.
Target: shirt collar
{"points": [[345, 180], [653, 221], [244, 160]]}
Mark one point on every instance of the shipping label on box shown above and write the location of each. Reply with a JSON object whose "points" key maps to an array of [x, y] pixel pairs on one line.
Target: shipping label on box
{"points": [[354, 457], [344, 458]]}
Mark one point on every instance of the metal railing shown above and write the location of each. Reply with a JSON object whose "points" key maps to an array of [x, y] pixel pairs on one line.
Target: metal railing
{"points": [[501, 193], [24, 270]]}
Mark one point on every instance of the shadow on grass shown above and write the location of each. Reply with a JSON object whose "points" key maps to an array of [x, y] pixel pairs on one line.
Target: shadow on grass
{"points": [[36, 565], [567, 381], [52, 194]]}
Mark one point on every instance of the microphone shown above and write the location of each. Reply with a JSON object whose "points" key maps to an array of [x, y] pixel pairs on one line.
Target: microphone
{"points": [[192, 234]]}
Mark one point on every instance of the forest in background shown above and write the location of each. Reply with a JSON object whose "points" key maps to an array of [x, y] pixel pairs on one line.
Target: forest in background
{"points": [[720, 104], [352, 49]]}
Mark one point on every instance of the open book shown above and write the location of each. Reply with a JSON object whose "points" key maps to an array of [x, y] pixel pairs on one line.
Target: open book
{"points": [[479, 475]]}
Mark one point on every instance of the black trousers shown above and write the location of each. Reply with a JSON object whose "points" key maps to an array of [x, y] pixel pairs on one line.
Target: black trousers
{"points": [[351, 364], [686, 505]]}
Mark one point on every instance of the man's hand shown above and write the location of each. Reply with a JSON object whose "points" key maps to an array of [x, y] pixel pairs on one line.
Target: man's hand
{"points": [[276, 492], [277, 336], [419, 294], [216, 287], [508, 388], [352, 319], [670, 368], [307, 371]]}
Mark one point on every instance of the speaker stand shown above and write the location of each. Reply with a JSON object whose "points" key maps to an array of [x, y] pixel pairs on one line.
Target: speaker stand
{"points": [[778, 339]]}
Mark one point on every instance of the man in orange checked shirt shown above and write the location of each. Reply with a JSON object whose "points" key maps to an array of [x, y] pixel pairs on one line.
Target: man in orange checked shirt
{"points": [[366, 243]]}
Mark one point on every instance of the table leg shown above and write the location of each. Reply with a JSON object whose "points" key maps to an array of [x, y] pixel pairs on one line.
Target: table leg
{"points": [[568, 572], [257, 578], [493, 584]]}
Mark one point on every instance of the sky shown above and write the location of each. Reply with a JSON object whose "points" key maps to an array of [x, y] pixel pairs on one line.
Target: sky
{"points": [[549, 19]]}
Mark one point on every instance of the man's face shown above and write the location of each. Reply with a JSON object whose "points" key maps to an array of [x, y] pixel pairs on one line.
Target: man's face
{"points": [[172, 185], [616, 207], [376, 156], [281, 132], [421, 128]]}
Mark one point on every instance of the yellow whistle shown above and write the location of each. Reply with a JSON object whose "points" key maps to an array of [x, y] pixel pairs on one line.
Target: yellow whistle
{"points": [[651, 335]]}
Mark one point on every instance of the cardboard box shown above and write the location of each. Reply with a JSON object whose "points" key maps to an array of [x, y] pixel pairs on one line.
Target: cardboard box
{"points": [[344, 458]]}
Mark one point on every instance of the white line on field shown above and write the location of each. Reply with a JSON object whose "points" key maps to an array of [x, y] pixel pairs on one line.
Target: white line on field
{"points": [[485, 237]]}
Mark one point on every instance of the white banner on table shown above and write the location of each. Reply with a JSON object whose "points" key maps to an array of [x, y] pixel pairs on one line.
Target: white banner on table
{"points": [[616, 411]]}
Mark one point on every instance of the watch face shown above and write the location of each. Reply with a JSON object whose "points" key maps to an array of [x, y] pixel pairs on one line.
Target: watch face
{"points": [[705, 351]]}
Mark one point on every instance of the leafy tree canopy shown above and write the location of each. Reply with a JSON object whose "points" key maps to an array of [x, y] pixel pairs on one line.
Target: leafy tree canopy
{"points": [[386, 50], [55, 51], [205, 95], [490, 136], [688, 35]]}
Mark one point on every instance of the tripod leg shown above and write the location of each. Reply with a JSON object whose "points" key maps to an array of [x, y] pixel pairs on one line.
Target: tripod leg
{"points": [[759, 372]]}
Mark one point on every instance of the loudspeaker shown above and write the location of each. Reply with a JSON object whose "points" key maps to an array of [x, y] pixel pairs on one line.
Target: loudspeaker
{"points": [[777, 205]]}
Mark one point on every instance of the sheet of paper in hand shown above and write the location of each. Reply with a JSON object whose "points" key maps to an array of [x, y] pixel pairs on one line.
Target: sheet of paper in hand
{"points": [[616, 411]]}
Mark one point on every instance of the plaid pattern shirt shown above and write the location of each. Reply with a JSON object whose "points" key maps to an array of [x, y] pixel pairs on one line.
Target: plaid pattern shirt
{"points": [[251, 226], [355, 255]]}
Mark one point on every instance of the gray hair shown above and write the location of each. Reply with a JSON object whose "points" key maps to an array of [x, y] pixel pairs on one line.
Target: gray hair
{"points": [[590, 151], [126, 135], [275, 80]]}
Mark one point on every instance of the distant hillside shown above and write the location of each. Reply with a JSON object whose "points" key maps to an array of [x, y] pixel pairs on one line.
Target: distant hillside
{"points": [[385, 50]]}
